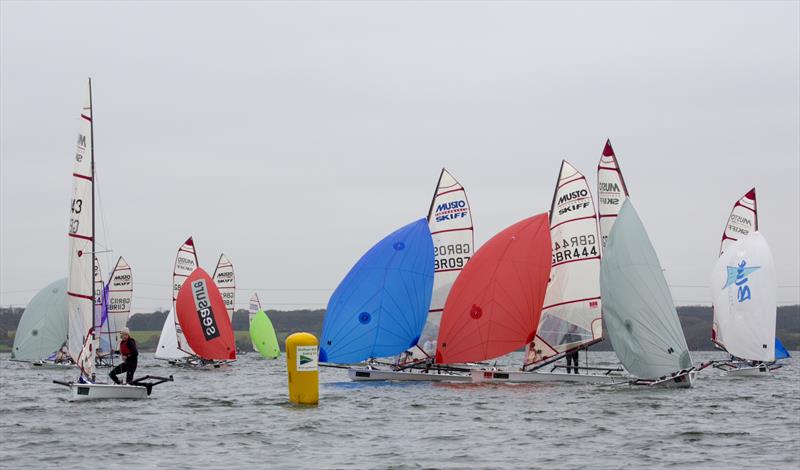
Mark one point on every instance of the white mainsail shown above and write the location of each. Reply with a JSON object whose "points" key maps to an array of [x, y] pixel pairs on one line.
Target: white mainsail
{"points": [[450, 223], [571, 313], [743, 286], [253, 309], [611, 190], [80, 284], [120, 293], [167, 348], [226, 282], [742, 221], [185, 264]]}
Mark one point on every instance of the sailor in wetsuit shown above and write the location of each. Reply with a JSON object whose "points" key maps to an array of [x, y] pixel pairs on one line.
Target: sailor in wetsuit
{"points": [[130, 357]]}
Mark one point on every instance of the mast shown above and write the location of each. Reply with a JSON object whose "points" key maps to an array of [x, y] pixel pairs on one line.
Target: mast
{"points": [[94, 234]]}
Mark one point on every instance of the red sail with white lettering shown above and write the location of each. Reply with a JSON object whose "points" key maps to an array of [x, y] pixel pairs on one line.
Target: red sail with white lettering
{"points": [[496, 302], [203, 318]]}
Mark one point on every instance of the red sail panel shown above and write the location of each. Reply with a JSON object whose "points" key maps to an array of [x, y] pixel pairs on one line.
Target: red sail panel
{"points": [[204, 319], [496, 301]]}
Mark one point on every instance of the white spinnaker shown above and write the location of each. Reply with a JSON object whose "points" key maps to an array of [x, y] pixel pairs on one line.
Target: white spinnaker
{"points": [[253, 308], [226, 282], [167, 348], [80, 286], [611, 191], [743, 286], [571, 313], [120, 293], [185, 264], [742, 221], [450, 223]]}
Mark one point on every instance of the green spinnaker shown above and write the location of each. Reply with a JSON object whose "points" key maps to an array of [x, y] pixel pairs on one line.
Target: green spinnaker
{"points": [[42, 330], [262, 333]]}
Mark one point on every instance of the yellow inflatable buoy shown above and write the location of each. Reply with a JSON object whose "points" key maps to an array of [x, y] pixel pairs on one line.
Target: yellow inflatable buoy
{"points": [[302, 363]]}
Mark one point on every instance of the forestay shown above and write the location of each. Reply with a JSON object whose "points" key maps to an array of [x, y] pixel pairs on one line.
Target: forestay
{"points": [[380, 307], [495, 304], [742, 221], [185, 264], [226, 282], [743, 286], [450, 223], [571, 313], [611, 190], [640, 317], [80, 284], [42, 330]]}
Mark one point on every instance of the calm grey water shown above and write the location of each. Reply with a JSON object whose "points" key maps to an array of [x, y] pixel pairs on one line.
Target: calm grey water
{"points": [[240, 418]]}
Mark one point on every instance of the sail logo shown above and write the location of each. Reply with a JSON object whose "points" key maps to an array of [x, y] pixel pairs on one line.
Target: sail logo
{"points": [[451, 210], [609, 188], [739, 224], [738, 275], [307, 358], [580, 194], [201, 300]]}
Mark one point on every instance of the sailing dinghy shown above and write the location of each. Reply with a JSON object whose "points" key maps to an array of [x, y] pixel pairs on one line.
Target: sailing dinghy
{"points": [[640, 318], [743, 221], [262, 333], [82, 341], [115, 303], [173, 344], [743, 285], [495, 303], [450, 224], [42, 329], [570, 319], [380, 307]]}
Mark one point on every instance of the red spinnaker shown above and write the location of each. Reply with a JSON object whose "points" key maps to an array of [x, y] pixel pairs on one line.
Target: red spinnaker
{"points": [[204, 319], [496, 301]]}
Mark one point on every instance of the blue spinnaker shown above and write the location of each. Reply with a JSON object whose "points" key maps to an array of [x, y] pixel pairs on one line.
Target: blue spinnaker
{"points": [[780, 351], [380, 307]]}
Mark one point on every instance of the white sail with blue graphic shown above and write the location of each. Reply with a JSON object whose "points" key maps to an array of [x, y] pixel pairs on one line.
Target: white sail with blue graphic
{"points": [[744, 291]]}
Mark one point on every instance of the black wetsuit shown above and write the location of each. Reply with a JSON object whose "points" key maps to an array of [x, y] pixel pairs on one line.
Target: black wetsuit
{"points": [[130, 352]]}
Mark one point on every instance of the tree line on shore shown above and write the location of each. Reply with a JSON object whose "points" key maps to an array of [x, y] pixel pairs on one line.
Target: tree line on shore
{"points": [[696, 322]]}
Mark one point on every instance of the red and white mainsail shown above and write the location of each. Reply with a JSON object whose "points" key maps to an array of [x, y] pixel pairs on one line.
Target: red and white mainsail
{"points": [[226, 282], [185, 264], [742, 221], [450, 222], [80, 285], [571, 313], [120, 293], [611, 190]]}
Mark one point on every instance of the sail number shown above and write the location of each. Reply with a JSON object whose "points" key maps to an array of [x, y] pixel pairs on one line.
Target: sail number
{"points": [[583, 246], [453, 256]]}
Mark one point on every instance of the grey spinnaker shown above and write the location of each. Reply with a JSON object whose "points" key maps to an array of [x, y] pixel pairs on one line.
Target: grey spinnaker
{"points": [[42, 330], [639, 314]]}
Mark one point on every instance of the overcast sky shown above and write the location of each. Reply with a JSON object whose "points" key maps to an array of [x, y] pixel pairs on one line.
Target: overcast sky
{"points": [[293, 136]]}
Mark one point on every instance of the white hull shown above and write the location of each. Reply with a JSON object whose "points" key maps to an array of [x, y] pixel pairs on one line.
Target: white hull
{"points": [[51, 365], [749, 371], [498, 376], [684, 380], [84, 392], [363, 374]]}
